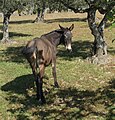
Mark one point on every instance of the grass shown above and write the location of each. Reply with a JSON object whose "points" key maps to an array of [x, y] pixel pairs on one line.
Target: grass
{"points": [[86, 90]]}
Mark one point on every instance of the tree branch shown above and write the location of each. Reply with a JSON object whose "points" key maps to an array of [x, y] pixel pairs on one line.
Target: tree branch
{"points": [[76, 10], [110, 6], [101, 26]]}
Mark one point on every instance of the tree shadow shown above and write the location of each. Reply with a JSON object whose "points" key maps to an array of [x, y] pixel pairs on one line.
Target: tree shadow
{"points": [[13, 54], [15, 89], [68, 103], [80, 49], [19, 22], [66, 20], [88, 102], [13, 34], [20, 84]]}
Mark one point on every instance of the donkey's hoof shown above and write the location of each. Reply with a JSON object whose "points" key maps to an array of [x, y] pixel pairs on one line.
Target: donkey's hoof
{"points": [[56, 85], [41, 102]]}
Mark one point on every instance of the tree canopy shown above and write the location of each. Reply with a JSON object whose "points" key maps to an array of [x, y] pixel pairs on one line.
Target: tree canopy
{"points": [[9, 6]]}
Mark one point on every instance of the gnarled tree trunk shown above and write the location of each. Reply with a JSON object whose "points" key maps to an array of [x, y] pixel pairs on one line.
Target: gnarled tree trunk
{"points": [[97, 31], [99, 51], [5, 28]]}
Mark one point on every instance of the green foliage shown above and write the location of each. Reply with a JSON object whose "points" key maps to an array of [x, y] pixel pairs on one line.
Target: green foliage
{"points": [[53, 5], [56, 5], [76, 3], [111, 16], [103, 6], [9, 6]]}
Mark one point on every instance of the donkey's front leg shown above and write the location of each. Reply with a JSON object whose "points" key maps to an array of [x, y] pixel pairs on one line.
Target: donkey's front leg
{"points": [[39, 84], [54, 73]]}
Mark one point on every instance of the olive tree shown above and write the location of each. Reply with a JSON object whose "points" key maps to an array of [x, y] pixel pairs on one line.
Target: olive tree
{"points": [[105, 7], [52, 5], [8, 7], [40, 6]]}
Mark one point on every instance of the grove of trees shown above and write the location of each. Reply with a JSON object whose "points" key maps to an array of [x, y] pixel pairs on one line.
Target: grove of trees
{"points": [[8, 7], [104, 7]]}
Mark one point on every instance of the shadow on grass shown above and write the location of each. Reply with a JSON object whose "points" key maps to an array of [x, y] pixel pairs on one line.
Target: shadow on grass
{"points": [[80, 49], [13, 54], [20, 84], [20, 22], [98, 103], [13, 34], [68, 103], [66, 20], [50, 21]]}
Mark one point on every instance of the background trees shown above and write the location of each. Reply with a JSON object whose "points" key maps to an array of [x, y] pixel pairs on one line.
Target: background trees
{"points": [[7, 7], [104, 7], [51, 5]]}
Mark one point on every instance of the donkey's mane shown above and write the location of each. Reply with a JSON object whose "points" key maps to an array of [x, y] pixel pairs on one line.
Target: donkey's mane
{"points": [[54, 31]]}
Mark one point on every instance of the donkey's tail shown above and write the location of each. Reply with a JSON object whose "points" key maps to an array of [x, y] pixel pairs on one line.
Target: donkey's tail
{"points": [[29, 49]]}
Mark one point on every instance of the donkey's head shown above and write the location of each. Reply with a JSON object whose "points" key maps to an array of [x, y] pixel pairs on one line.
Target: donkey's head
{"points": [[67, 36]]}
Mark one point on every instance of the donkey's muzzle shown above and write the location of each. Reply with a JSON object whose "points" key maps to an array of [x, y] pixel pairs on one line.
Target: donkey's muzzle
{"points": [[69, 50]]}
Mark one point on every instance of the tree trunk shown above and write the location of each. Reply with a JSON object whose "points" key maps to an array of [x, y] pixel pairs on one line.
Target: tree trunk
{"points": [[40, 13], [5, 29], [99, 45], [40, 16]]}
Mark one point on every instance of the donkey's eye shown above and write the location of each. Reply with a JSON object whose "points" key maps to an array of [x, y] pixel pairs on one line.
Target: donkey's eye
{"points": [[66, 36]]}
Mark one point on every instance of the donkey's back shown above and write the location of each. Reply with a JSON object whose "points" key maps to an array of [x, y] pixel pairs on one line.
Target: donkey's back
{"points": [[40, 49]]}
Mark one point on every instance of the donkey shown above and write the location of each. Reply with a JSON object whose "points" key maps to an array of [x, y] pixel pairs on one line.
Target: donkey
{"points": [[41, 52]]}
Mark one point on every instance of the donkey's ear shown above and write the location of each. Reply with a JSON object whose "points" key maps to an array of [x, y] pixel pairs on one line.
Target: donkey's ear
{"points": [[62, 28], [71, 27]]}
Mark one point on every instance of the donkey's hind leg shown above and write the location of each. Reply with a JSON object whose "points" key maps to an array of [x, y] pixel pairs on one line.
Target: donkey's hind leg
{"points": [[39, 83], [38, 80], [33, 65]]}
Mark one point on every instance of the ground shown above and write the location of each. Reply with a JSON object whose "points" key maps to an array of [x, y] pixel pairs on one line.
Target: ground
{"points": [[87, 91]]}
